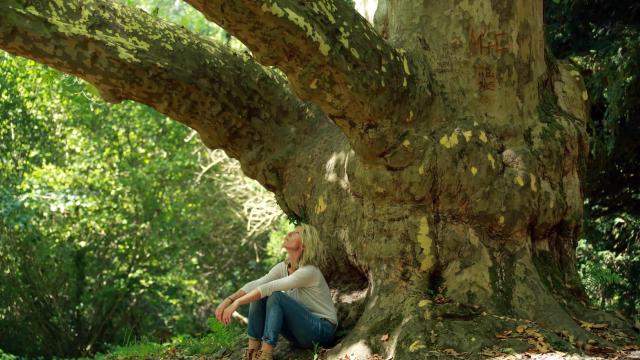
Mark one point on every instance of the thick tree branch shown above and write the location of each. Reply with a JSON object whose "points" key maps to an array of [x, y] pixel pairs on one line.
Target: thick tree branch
{"points": [[127, 54], [333, 57]]}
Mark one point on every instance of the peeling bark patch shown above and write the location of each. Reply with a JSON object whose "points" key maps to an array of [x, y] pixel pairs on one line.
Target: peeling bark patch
{"points": [[416, 345], [410, 118], [274, 9], [449, 141], [467, 277], [534, 188], [483, 137], [405, 63], [321, 206], [519, 180], [301, 23], [425, 242], [325, 9], [492, 160], [468, 135]]}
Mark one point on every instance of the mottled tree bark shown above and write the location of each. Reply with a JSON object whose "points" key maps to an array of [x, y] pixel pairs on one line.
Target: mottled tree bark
{"points": [[334, 58], [449, 177]]}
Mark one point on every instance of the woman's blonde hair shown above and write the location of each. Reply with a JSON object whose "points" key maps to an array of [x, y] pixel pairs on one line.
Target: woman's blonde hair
{"points": [[313, 253]]}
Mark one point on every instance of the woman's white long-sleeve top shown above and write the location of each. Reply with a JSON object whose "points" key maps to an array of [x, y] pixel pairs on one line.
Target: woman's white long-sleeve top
{"points": [[306, 285]]}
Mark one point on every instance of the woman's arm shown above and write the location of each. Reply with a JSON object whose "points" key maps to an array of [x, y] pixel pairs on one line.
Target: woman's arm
{"points": [[235, 295], [273, 274], [304, 277], [252, 296], [227, 303]]}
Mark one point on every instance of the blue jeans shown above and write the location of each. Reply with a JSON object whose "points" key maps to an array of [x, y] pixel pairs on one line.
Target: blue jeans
{"points": [[280, 314]]}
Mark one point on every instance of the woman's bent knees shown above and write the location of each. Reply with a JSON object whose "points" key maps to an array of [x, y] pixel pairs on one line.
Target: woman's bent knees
{"points": [[276, 296]]}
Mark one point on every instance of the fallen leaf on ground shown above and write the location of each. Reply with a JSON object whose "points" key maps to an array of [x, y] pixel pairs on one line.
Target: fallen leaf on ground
{"points": [[539, 346], [599, 349], [520, 329], [453, 353], [440, 299], [534, 334], [503, 335], [493, 351], [417, 345], [588, 325]]}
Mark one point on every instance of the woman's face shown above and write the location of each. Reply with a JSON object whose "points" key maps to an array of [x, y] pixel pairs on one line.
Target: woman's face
{"points": [[293, 241]]}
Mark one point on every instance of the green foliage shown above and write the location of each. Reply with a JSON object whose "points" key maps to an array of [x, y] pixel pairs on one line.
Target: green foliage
{"points": [[180, 13], [142, 350], [602, 38], [296, 219], [609, 262], [218, 338], [107, 232], [110, 231], [5, 356], [85, 227], [226, 336]]}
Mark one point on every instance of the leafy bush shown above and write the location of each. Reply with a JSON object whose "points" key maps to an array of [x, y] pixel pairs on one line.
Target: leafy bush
{"points": [[108, 231], [609, 263]]}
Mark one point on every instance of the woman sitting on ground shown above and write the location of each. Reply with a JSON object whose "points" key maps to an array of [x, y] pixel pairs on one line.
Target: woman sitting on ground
{"points": [[293, 299]]}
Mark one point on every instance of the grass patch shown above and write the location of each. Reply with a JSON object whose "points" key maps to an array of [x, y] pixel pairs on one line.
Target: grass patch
{"points": [[142, 349], [218, 338]]}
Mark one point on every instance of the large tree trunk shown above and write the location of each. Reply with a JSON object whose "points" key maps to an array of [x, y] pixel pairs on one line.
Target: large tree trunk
{"points": [[440, 157]]}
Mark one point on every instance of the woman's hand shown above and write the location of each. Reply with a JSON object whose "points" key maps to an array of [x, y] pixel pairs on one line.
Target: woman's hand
{"points": [[220, 309], [226, 315]]}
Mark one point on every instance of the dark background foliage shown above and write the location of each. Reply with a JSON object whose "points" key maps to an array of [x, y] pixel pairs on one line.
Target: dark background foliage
{"points": [[602, 39]]}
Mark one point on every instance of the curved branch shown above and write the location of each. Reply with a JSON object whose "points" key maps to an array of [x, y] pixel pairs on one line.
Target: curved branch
{"points": [[231, 101], [332, 57]]}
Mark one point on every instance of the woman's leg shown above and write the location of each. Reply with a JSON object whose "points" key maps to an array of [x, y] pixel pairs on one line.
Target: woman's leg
{"points": [[257, 315], [305, 327]]}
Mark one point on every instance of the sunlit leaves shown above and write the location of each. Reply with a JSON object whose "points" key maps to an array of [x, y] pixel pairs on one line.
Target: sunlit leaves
{"points": [[105, 228]]}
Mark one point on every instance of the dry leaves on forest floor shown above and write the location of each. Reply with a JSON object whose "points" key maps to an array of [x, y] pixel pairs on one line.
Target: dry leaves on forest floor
{"points": [[538, 344], [533, 337], [603, 331], [561, 356]]}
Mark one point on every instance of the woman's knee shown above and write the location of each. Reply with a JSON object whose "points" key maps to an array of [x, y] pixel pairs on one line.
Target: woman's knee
{"points": [[253, 307], [257, 306], [275, 297]]}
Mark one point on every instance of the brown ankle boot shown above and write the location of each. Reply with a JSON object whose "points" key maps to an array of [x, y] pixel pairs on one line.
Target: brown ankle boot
{"points": [[263, 355]]}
